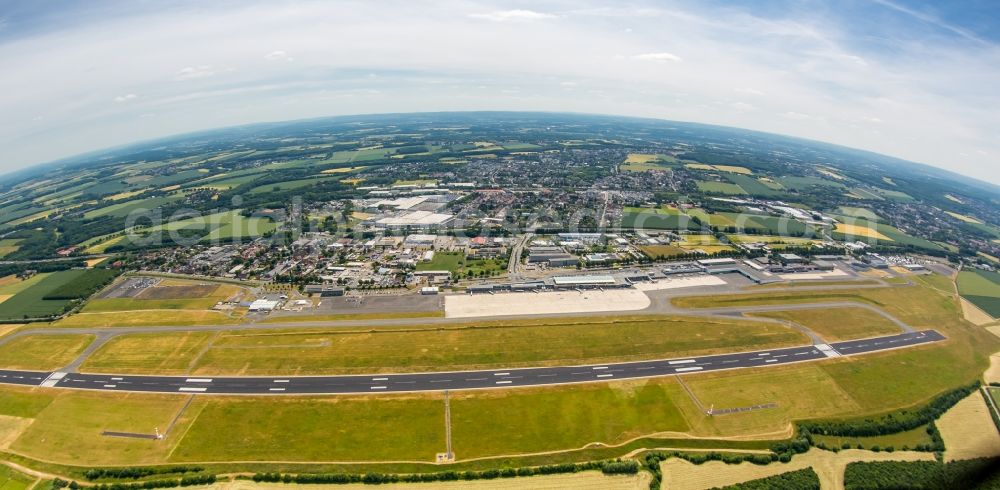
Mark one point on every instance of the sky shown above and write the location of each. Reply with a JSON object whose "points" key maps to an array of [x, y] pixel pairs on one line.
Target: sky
{"points": [[919, 80]]}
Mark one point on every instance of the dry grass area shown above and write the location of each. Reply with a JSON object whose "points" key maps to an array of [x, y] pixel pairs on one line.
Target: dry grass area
{"points": [[802, 390], [6, 329], [681, 475], [992, 374], [860, 231], [836, 324], [974, 315], [589, 480], [147, 318], [5, 297], [11, 428], [968, 430]]}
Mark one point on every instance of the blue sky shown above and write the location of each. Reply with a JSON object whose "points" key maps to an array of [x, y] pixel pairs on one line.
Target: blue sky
{"points": [[916, 80]]}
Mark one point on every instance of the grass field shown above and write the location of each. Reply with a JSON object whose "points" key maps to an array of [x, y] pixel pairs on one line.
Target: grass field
{"points": [[443, 261], [28, 301], [68, 426], [713, 187], [644, 162], [157, 353], [13, 480], [899, 441], [42, 352], [839, 323], [800, 391], [586, 480], [533, 420], [855, 212], [436, 348], [656, 219], [9, 246], [981, 288], [148, 318], [218, 226], [396, 428], [770, 239]]}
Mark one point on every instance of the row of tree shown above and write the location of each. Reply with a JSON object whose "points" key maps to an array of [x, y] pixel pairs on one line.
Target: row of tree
{"points": [[609, 467], [804, 479]]}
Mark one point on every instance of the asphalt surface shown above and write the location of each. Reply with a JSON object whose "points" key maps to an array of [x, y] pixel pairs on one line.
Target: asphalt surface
{"points": [[460, 380]]}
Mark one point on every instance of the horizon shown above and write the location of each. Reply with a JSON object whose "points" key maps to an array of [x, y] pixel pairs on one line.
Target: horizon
{"points": [[193, 134], [863, 75]]}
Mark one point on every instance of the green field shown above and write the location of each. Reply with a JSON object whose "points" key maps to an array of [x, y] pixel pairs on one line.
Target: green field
{"points": [[863, 213], [836, 324], [981, 288], [898, 441], [219, 226], [29, 302], [9, 246], [435, 348], [712, 187], [128, 206], [805, 183], [293, 184], [42, 352], [522, 421], [752, 186], [457, 263], [656, 219], [13, 480], [323, 429]]}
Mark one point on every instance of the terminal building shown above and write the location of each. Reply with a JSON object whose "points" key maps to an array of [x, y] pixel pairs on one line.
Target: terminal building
{"points": [[587, 282]]}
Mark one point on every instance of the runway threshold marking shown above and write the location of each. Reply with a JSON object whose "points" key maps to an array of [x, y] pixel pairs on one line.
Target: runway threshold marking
{"points": [[686, 369]]}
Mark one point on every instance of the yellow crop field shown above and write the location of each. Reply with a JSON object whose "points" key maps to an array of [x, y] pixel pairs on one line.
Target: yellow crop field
{"points": [[343, 170], [641, 158], [860, 231], [968, 430], [734, 169], [962, 217], [682, 475]]}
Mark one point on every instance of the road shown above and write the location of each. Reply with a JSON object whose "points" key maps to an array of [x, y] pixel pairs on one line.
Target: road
{"points": [[461, 380]]}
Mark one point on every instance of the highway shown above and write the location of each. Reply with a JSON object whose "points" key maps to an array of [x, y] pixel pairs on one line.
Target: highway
{"points": [[461, 380]]}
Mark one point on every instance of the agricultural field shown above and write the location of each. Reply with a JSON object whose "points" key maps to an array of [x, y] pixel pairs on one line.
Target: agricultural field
{"points": [[981, 288], [968, 430], [656, 219], [715, 187], [13, 480], [435, 348], [42, 352], [753, 186], [226, 225], [773, 241], [858, 213], [644, 162], [9, 246], [962, 217], [837, 324], [29, 298]]}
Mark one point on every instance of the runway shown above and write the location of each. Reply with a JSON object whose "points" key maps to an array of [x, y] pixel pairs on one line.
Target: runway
{"points": [[461, 380]]}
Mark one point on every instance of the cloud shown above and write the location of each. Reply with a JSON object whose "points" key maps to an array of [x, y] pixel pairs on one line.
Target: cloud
{"points": [[568, 84], [192, 72], [278, 56], [125, 98], [742, 106], [749, 91], [513, 15], [797, 116], [660, 57]]}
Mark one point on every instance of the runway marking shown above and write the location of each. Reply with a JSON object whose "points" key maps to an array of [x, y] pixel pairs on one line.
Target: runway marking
{"points": [[281, 381], [599, 367], [378, 387], [276, 389], [501, 374], [771, 360], [476, 379], [440, 381], [686, 361], [380, 379], [188, 388], [116, 379], [645, 368], [730, 361], [604, 375], [546, 375], [681, 370], [198, 380], [504, 382], [110, 386]]}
